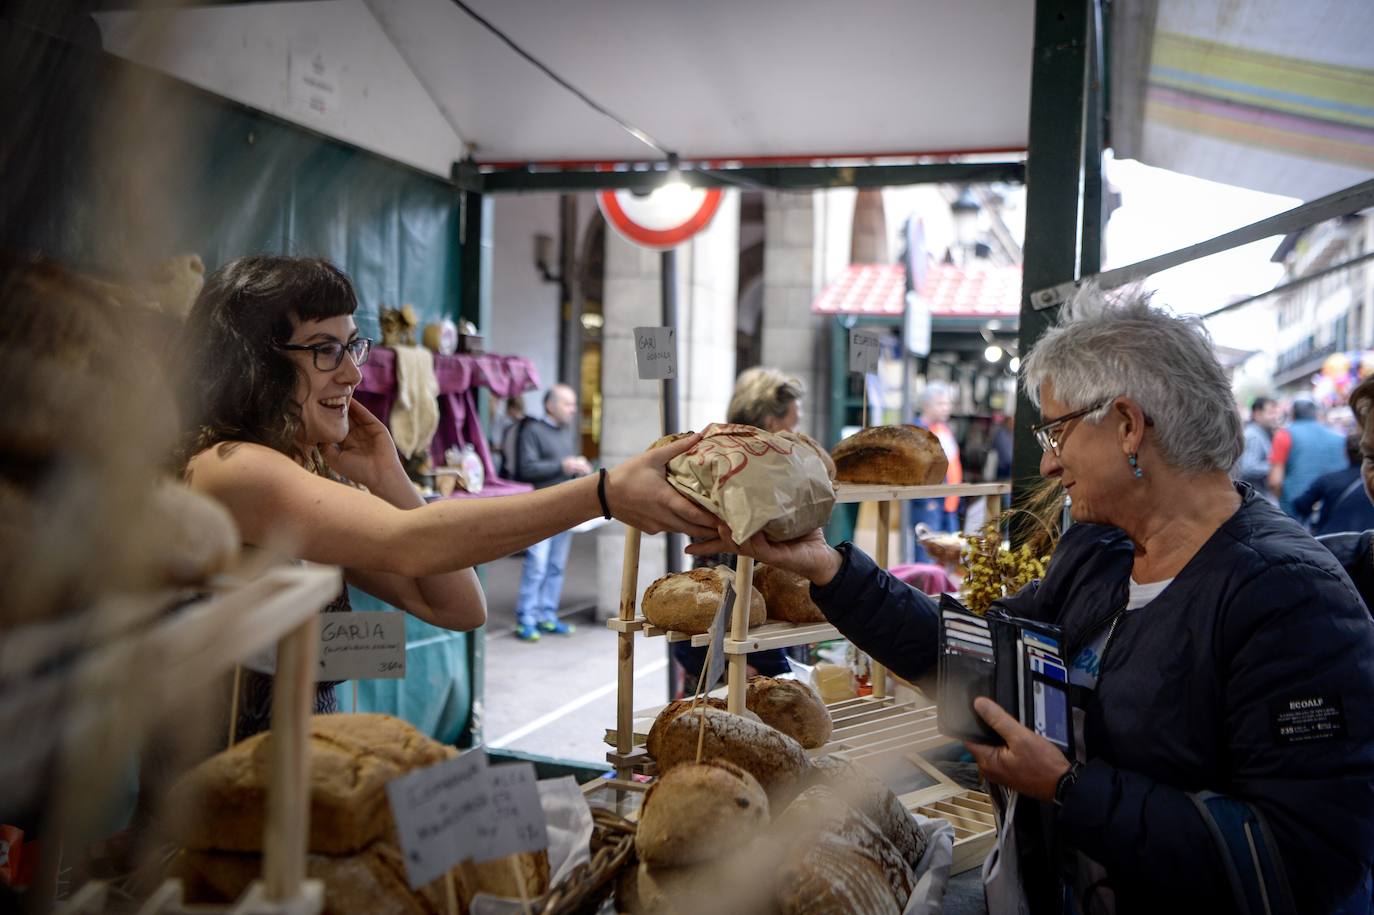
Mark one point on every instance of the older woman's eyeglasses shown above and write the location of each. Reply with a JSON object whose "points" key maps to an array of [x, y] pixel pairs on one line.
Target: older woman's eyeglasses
{"points": [[1050, 433], [329, 356]]}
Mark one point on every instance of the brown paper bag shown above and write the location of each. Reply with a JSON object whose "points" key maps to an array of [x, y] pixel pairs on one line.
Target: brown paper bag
{"points": [[780, 483]]}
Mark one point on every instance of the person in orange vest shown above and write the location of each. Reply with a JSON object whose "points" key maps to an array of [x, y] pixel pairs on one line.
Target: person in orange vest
{"points": [[939, 515]]}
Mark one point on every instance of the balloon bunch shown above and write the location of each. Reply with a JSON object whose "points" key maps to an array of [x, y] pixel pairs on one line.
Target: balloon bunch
{"points": [[1339, 374]]}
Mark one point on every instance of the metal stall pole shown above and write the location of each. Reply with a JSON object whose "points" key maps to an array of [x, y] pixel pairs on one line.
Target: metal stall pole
{"points": [[1054, 191], [674, 543]]}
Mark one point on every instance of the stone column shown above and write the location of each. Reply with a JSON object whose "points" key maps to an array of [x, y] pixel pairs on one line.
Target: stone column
{"points": [[807, 241], [707, 280]]}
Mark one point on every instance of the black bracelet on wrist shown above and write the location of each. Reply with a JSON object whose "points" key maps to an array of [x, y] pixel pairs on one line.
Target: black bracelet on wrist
{"points": [[601, 495], [1066, 782]]}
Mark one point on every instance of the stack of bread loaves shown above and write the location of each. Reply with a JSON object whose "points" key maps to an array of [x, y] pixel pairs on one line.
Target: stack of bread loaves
{"points": [[756, 826], [221, 808]]}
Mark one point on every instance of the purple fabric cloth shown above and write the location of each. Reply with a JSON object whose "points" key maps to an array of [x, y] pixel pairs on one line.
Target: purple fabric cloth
{"points": [[459, 377], [926, 577]]}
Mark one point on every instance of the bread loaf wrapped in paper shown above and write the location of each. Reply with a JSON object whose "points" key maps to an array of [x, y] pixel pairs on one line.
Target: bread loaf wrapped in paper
{"points": [[781, 483]]}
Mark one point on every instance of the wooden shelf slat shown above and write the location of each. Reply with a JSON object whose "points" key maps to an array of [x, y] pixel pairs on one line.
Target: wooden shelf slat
{"points": [[776, 635], [880, 492]]}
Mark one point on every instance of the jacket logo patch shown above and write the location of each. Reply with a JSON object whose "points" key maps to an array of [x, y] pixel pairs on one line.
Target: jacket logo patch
{"points": [[1301, 719]]}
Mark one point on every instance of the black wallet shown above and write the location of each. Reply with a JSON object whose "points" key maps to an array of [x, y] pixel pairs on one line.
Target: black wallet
{"points": [[1015, 662]]}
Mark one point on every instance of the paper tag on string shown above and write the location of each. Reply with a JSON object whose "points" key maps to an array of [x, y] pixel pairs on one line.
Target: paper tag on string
{"points": [[514, 819], [863, 352], [718, 627], [656, 352], [435, 810]]}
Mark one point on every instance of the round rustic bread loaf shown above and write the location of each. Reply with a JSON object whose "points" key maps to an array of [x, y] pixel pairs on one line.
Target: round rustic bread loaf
{"points": [[895, 455], [699, 811], [828, 877], [688, 601], [222, 803], [777, 761], [792, 707], [787, 595], [866, 793], [820, 819], [670, 711]]}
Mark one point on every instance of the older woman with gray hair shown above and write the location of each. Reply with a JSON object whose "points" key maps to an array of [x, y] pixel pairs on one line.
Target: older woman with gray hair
{"points": [[1221, 662]]}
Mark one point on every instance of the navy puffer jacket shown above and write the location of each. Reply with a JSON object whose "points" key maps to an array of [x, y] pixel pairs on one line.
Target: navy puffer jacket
{"points": [[1187, 701]]}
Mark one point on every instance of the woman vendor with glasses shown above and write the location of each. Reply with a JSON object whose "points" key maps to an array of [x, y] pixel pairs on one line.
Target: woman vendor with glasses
{"points": [[271, 358], [1220, 662]]}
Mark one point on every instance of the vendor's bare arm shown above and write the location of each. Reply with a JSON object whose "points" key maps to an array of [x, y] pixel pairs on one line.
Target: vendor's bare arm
{"points": [[270, 495]]}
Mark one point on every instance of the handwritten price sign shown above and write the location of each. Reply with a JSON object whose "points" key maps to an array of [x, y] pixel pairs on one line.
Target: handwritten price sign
{"points": [[863, 353], [362, 646], [656, 352], [462, 809], [434, 810]]}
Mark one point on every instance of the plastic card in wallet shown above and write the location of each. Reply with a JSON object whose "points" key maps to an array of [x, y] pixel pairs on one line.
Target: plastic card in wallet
{"points": [[1014, 662]]}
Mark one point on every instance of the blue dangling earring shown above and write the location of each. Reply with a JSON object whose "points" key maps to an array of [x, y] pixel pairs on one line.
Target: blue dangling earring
{"points": [[1135, 465]]}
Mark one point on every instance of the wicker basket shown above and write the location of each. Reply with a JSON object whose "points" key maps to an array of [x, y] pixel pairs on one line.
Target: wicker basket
{"points": [[584, 890]]}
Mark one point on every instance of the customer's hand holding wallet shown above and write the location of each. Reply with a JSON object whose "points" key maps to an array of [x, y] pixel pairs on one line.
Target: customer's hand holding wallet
{"points": [[1015, 662]]}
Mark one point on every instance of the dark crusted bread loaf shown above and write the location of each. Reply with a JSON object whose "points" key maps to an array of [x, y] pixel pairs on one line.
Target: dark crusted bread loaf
{"points": [[775, 760], [670, 711], [839, 859], [865, 792], [688, 601], [895, 455], [787, 595], [792, 707]]}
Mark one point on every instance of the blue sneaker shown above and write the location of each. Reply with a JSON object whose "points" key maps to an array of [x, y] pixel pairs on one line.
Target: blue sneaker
{"points": [[527, 633], [557, 627]]}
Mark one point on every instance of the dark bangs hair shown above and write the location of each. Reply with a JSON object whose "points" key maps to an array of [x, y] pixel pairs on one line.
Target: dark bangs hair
{"points": [[237, 385]]}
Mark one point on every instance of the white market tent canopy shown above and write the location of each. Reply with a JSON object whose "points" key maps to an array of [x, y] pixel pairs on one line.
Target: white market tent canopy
{"points": [[1259, 92]]}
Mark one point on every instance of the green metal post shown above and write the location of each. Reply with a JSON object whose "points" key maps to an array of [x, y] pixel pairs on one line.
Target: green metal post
{"points": [[1094, 218], [474, 304], [1054, 190]]}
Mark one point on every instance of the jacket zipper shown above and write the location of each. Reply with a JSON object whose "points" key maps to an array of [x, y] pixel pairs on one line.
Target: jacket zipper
{"points": [[1085, 637]]}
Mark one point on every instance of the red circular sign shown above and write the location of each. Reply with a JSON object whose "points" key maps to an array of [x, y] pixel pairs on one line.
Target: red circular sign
{"points": [[664, 219]]}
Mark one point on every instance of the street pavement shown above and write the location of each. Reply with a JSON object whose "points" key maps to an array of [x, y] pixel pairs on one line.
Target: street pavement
{"points": [[557, 696]]}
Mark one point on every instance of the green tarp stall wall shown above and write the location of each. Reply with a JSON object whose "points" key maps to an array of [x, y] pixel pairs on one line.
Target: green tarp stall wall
{"points": [[122, 167]]}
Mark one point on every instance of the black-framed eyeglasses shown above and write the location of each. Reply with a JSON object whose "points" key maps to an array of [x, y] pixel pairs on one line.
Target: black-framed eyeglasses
{"points": [[1050, 432], [329, 356]]}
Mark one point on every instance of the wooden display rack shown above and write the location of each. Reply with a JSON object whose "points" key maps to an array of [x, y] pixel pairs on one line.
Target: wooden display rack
{"points": [[105, 711], [866, 727]]}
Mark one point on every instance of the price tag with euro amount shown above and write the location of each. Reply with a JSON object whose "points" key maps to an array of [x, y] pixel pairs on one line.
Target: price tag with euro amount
{"points": [[656, 352], [362, 646], [863, 352], [513, 820]]}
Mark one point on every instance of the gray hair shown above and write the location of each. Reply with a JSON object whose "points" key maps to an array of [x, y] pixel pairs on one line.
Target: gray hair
{"points": [[760, 393], [1102, 348]]}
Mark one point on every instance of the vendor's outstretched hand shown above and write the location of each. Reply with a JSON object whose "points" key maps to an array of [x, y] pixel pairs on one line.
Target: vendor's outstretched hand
{"points": [[1028, 764], [639, 494], [808, 556]]}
